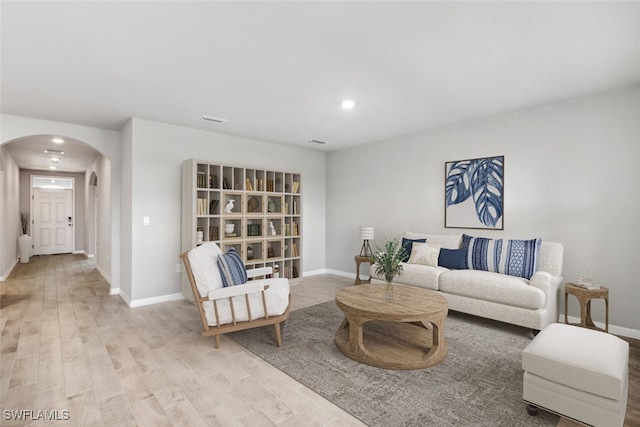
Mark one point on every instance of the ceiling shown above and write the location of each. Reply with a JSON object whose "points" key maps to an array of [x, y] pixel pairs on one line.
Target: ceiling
{"points": [[278, 71]]}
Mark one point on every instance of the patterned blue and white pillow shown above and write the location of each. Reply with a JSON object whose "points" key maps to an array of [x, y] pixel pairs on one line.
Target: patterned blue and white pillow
{"points": [[232, 269], [520, 257], [513, 257]]}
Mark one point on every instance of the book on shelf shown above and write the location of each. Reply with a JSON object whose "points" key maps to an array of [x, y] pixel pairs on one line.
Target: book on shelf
{"points": [[294, 250], [295, 207], [258, 184], [202, 179], [270, 185], [213, 181], [285, 208], [225, 184], [213, 233], [287, 229], [212, 206], [202, 207], [294, 228], [249, 186], [295, 186]]}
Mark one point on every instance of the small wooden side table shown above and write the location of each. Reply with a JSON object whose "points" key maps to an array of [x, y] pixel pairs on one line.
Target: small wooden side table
{"points": [[584, 297], [359, 260]]}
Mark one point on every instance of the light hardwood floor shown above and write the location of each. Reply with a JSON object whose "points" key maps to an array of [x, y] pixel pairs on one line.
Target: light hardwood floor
{"points": [[67, 345]]}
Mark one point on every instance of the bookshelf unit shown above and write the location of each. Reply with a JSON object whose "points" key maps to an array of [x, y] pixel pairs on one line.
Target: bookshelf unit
{"points": [[266, 214]]}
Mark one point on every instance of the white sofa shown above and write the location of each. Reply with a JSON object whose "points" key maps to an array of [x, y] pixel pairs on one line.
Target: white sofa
{"points": [[532, 303]]}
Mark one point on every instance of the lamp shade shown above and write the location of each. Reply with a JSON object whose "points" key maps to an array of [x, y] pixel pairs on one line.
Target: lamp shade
{"points": [[366, 233]]}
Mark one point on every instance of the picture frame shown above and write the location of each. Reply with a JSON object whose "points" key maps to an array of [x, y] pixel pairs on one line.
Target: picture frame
{"points": [[474, 193]]}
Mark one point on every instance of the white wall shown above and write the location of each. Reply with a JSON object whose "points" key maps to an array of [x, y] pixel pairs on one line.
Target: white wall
{"points": [[9, 212], [154, 172], [571, 175], [102, 167]]}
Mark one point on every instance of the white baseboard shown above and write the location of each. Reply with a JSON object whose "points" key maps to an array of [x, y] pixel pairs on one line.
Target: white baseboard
{"points": [[341, 273], [613, 329], [103, 274], [154, 300], [314, 272], [78, 252], [6, 275], [114, 291]]}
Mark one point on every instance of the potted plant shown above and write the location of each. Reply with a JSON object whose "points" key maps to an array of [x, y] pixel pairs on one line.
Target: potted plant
{"points": [[389, 262], [24, 241]]}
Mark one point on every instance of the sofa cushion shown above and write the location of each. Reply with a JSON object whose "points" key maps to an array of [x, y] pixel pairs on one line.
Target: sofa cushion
{"points": [[489, 286], [407, 245], [425, 254], [448, 241], [277, 299], [513, 257], [453, 259], [422, 276]]}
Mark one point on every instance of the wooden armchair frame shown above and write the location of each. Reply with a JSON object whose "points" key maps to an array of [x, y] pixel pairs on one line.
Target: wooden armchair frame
{"points": [[230, 292]]}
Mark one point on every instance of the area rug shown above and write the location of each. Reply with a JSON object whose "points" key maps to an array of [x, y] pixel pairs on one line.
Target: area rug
{"points": [[479, 383]]}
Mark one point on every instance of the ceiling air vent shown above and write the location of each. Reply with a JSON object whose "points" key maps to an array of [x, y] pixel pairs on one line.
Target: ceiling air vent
{"points": [[317, 141], [213, 119]]}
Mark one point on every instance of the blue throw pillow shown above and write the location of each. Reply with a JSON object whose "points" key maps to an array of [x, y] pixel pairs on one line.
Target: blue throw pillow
{"points": [[407, 245], [232, 269], [454, 259]]}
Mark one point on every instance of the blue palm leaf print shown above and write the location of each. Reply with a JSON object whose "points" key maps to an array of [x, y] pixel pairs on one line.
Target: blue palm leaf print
{"points": [[457, 185], [481, 179]]}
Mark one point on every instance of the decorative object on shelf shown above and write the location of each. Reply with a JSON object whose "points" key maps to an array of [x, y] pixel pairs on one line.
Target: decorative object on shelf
{"points": [[270, 252], [25, 243], [276, 271], [474, 193], [366, 234], [229, 228], [271, 207], [253, 204], [229, 207], [389, 263], [249, 252], [199, 236], [272, 229]]}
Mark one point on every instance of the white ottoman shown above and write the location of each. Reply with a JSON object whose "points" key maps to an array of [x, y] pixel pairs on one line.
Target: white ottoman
{"points": [[578, 373]]}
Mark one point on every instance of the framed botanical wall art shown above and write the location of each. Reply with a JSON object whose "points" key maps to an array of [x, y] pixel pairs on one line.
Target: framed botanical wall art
{"points": [[474, 193]]}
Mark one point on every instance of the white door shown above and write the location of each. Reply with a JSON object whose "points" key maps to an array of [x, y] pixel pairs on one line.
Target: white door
{"points": [[52, 221]]}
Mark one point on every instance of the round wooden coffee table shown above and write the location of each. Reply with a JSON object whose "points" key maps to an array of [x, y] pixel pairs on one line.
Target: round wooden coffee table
{"points": [[405, 331]]}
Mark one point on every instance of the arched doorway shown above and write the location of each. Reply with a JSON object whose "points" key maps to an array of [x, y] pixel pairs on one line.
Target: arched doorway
{"points": [[25, 156]]}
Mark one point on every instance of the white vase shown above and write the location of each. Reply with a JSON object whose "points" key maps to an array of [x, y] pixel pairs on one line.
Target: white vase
{"points": [[25, 246], [229, 228]]}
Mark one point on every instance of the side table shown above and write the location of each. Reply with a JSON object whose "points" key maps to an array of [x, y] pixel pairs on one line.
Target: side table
{"points": [[584, 297], [359, 260]]}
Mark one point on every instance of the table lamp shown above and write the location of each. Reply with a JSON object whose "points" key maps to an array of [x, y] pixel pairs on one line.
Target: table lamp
{"points": [[366, 234]]}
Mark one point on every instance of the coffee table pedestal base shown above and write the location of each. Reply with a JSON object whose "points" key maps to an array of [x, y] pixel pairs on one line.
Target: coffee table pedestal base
{"points": [[393, 345]]}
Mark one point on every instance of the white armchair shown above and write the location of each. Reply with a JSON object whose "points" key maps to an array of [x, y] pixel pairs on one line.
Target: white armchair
{"points": [[259, 302]]}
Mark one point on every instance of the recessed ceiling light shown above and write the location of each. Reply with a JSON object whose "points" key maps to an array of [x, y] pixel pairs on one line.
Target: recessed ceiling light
{"points": [[348, 104], [55, 159], [58, 140], [317, 141], [52, 167], [54, 152]]}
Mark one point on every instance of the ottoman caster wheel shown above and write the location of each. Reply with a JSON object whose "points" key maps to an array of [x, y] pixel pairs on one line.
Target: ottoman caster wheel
{"points": [[532, 410]]}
